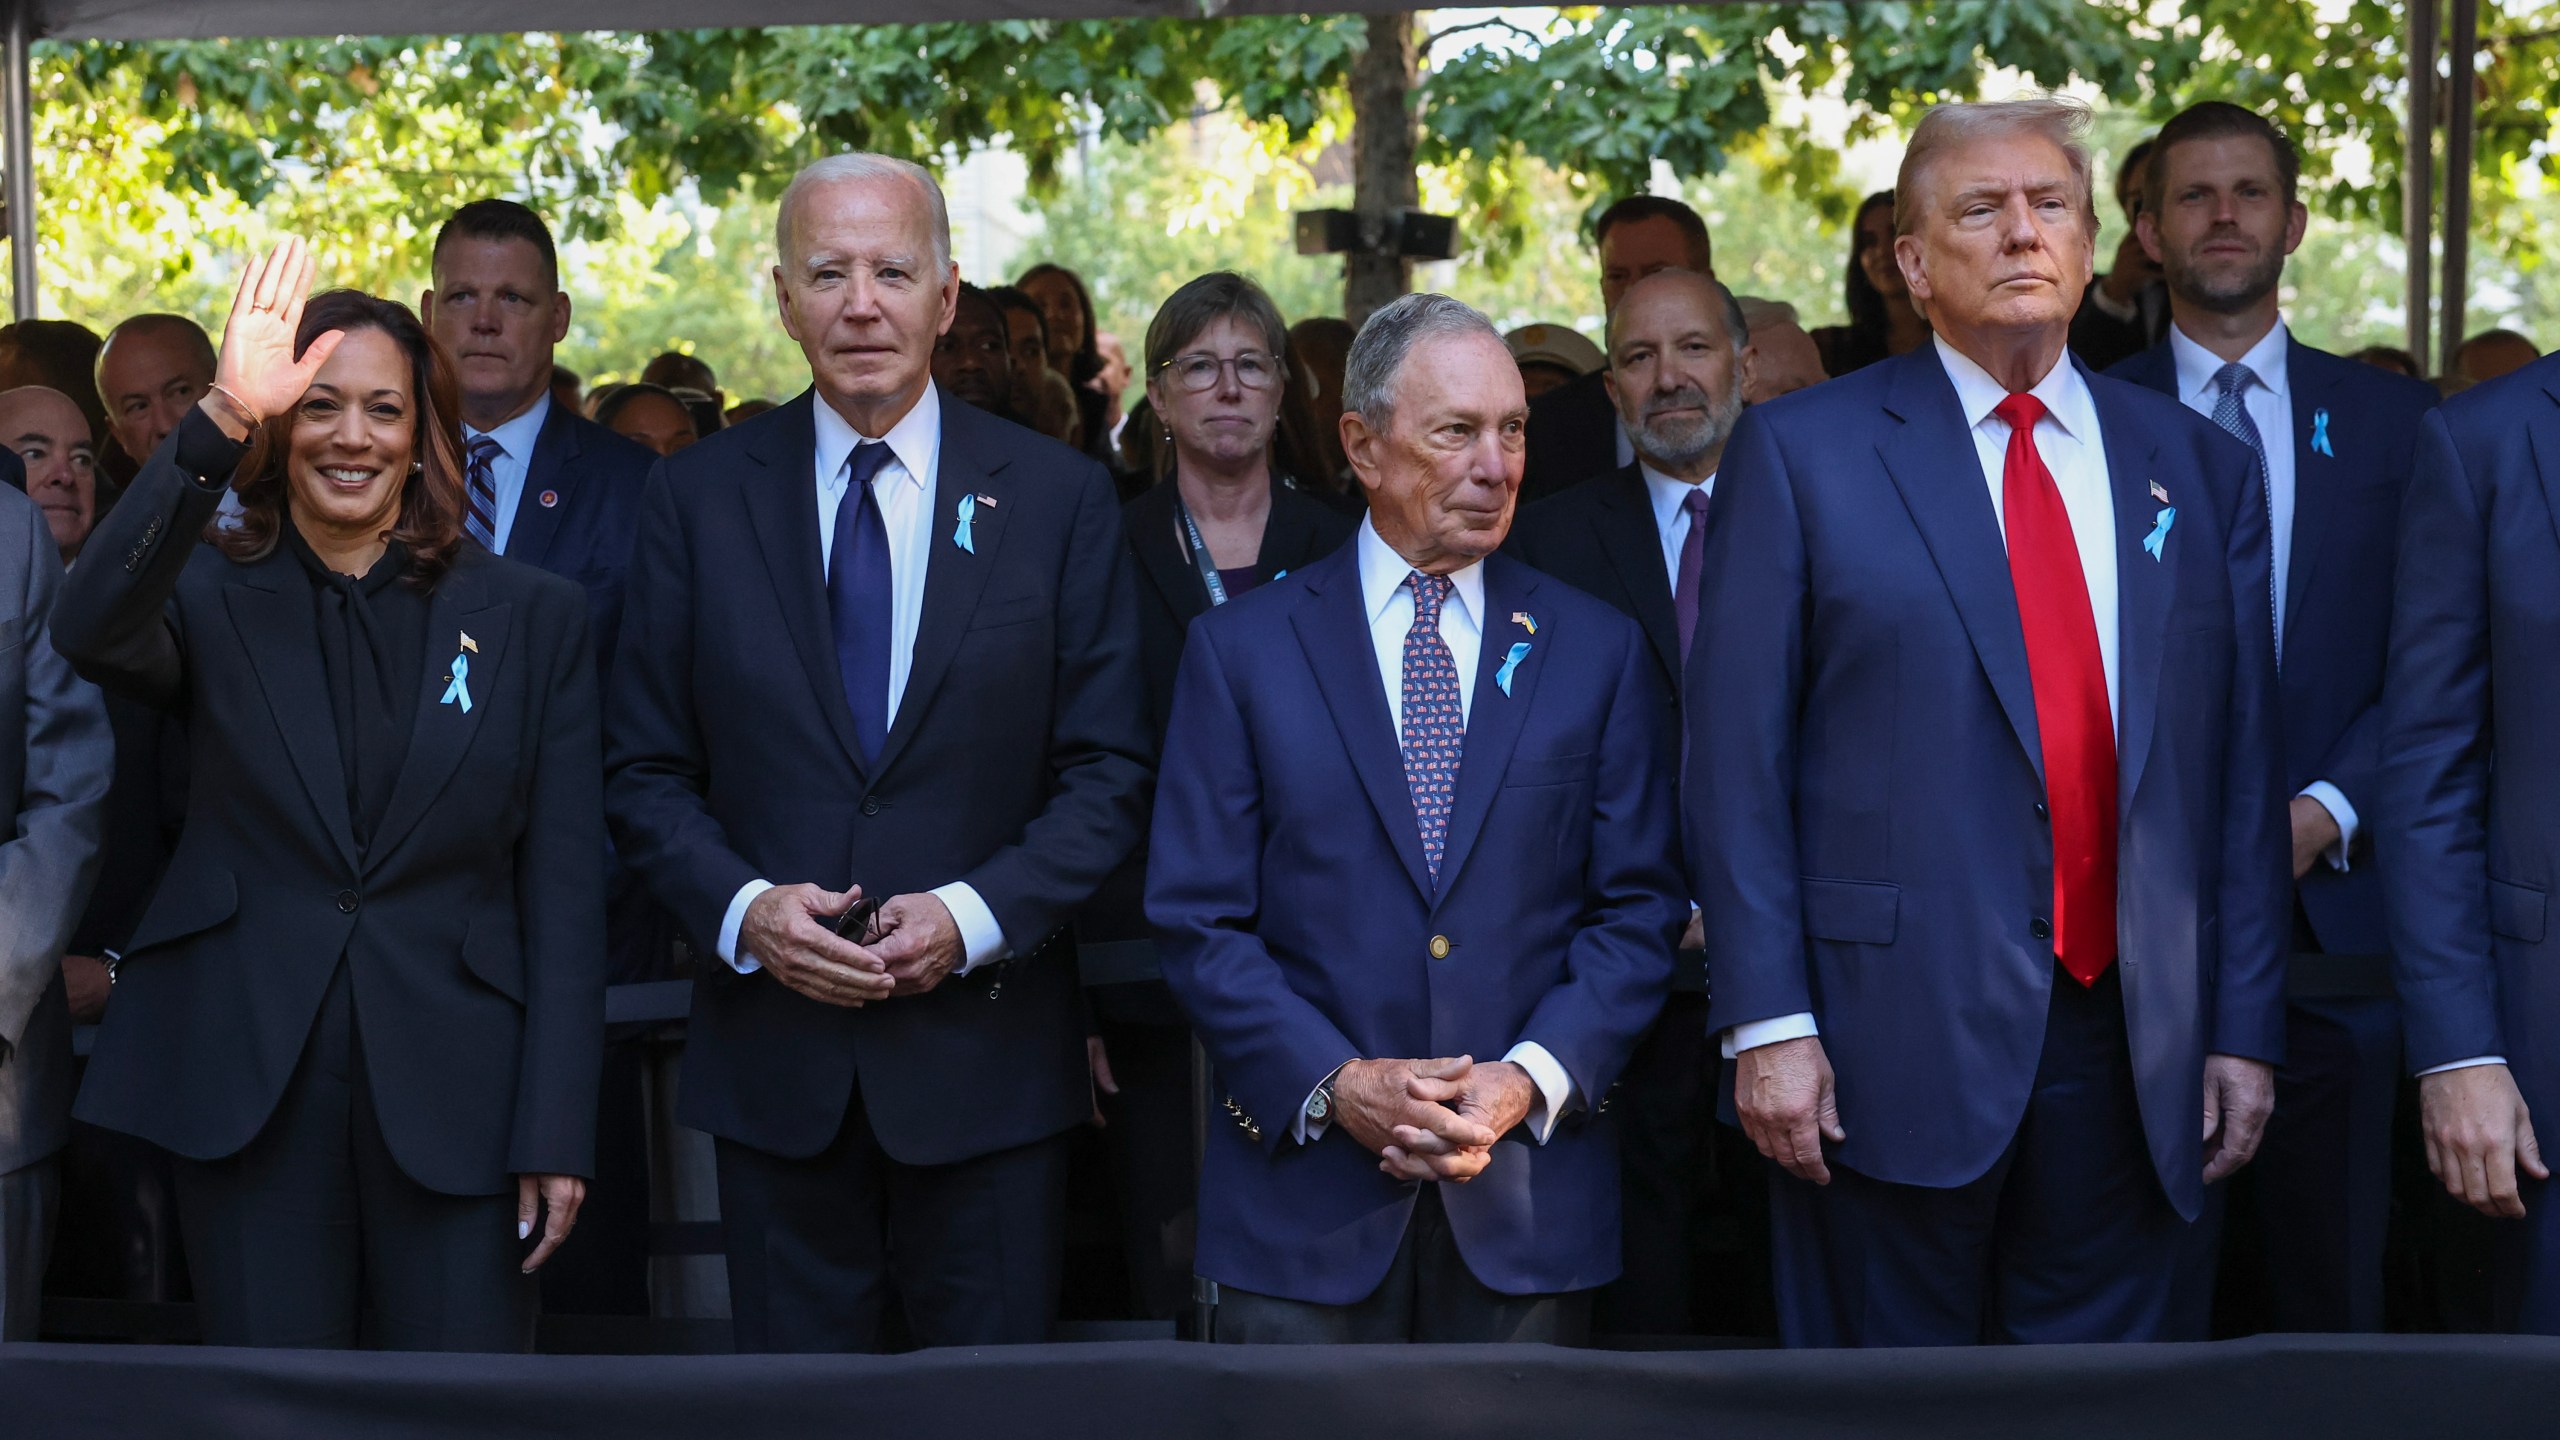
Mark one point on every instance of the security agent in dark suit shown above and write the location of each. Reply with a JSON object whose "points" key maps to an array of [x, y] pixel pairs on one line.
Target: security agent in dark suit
{"points": [[54, 769], [1679, 361], [880, 641], [2336, 441], [1573, 429], [365, 1008], [547, 486]]}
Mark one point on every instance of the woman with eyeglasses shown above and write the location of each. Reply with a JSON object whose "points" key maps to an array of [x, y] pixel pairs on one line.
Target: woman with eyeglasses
{"points": [[1226, 524]]}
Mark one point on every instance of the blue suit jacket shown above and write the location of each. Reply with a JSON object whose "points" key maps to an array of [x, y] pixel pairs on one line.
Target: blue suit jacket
{"points": [[1296, 919], [580, 514], [2470, 833], [1864, 794], [2337, 626]]}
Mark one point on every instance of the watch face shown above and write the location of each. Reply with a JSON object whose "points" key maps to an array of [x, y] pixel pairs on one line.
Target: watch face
{"points": [[1320, 1107]]}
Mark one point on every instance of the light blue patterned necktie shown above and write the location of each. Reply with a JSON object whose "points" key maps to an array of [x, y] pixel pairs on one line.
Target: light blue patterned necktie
{"points": [[2230, 412], [1435, 723]]}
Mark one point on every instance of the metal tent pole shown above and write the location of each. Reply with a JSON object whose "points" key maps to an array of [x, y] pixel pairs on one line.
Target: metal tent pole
{"points": [[2461, 122], [2417, 178], [17, 96]]}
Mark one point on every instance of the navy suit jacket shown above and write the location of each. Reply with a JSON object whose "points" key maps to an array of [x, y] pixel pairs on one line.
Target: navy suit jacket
{"points": [[1600, 538], [580, 513], [2470, 832], [1298, 922], [1573, 437], [1864, 798], [2337, 624], [1017, 761]]}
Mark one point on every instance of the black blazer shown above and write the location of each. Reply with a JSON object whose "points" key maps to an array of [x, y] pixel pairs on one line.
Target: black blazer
{"points": [[1573, 437], [1600, 538], [473, 932], [580, 512], [1018, 761]]}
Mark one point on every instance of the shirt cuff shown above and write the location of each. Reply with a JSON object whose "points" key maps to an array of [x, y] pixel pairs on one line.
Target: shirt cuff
{"points": [[981, 938], [2335, 802], [1753, 1034], [742, 963], [1555, 1088], [2472, 1064]]}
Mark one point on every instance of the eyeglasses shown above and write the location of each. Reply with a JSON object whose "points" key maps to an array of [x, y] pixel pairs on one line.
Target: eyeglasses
{"points": [[1198, 372]]}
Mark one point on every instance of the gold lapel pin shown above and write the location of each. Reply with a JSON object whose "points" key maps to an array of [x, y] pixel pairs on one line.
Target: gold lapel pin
{"points": [[470, 644]]}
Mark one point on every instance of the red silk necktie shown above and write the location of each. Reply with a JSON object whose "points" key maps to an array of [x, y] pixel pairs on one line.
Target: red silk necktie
{"points": [[2073, 721]]}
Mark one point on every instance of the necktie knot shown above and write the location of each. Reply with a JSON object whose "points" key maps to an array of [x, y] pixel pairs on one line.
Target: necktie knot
{"points": [[1428, 593], [868, 459], [2020, 410], [485, 450], [2234, 378], [1695, 502]]}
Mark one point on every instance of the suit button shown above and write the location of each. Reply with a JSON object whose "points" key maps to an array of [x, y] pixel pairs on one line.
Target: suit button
{"points": [[346, 902], [1439, 947], [2043, 814], [870, 804], [2040, 928]]}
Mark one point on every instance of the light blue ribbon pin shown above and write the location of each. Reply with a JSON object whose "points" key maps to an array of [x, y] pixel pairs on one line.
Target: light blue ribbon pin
{"points": [[2159, 535], [2320, 434], [459, 693], [968, 511], [1511, 659]]}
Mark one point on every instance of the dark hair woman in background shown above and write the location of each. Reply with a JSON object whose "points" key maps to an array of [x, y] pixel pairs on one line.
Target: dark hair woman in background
{"points": [[365, 1009], [1068, 305], [1882, 323]]}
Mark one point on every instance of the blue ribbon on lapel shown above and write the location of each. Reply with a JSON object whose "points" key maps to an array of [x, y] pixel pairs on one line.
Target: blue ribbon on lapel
{"points": [[2159, 535], [1511, 659], [2320, 434], [968, 511], [458, 692]]}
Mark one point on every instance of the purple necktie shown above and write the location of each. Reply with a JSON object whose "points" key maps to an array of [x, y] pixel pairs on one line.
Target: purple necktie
{"points": [[1693, 552], [1435, 724]]}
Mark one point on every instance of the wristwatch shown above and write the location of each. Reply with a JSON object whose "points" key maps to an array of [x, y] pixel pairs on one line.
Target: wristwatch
{"points": [[112, 960], [1320, 1104]]}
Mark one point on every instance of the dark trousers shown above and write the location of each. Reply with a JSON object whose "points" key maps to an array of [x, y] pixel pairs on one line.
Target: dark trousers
{"points": [[1154, 1177], [607, 1271], [312, 1238], [2068, 1238], [30, 1196], [1665, 1106], [2321, 1182], [815, 1245], [1429, 1297]]}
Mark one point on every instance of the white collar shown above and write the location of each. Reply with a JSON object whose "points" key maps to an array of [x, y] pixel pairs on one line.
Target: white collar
{"points": [[1383, 572], [516, 437], [913, 440], [1669, 495], [2066, 397], [2197, 366]]}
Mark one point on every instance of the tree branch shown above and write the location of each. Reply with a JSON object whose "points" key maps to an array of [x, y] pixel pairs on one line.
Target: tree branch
{"points": [[1433, 40]]}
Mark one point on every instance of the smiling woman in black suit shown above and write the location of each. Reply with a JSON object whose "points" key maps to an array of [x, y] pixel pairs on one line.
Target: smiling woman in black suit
{"points": [[365, 1007]]}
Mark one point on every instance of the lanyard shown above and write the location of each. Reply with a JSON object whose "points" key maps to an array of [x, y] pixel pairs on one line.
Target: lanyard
{"points": [[1200, 560]]}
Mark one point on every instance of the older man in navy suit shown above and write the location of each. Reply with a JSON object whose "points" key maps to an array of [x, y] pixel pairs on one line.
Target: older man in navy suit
{"points": [[1412, 875], [2470, 824], [1982, 794], [2334, 441]]}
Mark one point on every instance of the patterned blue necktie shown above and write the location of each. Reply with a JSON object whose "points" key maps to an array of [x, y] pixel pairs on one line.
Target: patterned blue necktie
{"points": [[2229, 412], [859, 598], [1435, 724], [481, 519]]}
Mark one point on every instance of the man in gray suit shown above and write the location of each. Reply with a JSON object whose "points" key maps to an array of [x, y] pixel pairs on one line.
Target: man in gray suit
{"points": [[56, 756]]}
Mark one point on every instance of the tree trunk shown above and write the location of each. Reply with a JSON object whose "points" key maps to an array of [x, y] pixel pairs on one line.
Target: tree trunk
{"points": [[1383, 181]]}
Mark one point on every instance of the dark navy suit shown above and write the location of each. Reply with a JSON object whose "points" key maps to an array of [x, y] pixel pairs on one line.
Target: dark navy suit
{"points": [[2470, 828], [1300, 926], [580, 513], [1865, 828], [2323, 1178]]}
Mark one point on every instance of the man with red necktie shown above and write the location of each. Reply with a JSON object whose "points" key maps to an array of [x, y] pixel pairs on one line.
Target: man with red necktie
{"points": [[1983, 804]]}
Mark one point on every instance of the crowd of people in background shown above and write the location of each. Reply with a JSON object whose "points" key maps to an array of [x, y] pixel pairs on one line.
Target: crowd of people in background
{"points": [[1235, 447]]}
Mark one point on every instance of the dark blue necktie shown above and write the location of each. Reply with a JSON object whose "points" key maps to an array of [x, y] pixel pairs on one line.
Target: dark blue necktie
{"points": [[1435, 724], [860, 600]]}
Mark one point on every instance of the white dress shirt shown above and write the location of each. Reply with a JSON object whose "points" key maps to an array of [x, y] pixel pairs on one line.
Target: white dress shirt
{"points": [[2068, 440], [2269, 401], [1388, 602], [507, 470], [1671, 514], [904, 490]]}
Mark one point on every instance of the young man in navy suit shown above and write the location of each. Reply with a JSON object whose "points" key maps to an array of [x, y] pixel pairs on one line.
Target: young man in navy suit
{"points": [[1412, 877], [2470, 823], [1982, 792], [2334, 441], [881, 646]]}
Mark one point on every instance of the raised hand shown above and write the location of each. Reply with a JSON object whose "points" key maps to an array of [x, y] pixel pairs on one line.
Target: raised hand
{"points": [[257, 367]]}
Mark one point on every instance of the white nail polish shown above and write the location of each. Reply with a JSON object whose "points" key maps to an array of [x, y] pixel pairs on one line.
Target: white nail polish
{"points": [[524, 1229]]}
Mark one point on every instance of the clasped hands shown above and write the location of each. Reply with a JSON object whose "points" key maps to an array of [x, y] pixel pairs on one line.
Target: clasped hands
{"points": [[1431, 1119], [911, 947]]}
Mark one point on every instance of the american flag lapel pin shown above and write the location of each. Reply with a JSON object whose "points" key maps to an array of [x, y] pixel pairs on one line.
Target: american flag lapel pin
{"points": [[2158, 493]]}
